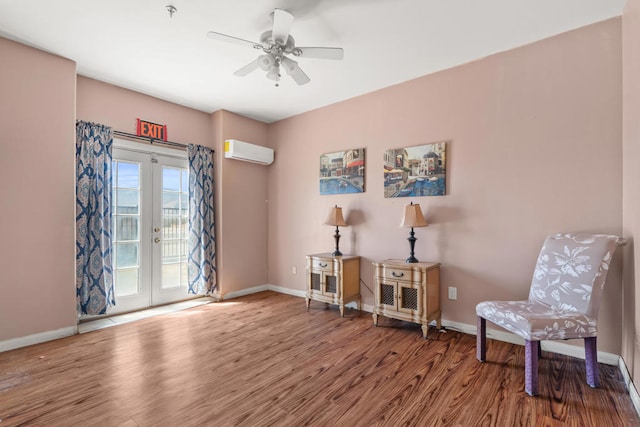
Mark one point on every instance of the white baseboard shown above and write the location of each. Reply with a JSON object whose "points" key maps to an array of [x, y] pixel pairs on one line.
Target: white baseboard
{"points": [[303, 294], [243, 292], [14, 343], [294, 292]]}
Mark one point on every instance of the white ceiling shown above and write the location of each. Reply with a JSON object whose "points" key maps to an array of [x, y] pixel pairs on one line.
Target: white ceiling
{"points": [[136, 45]]}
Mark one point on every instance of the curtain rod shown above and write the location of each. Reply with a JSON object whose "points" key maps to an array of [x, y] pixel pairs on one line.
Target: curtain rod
{"points": [[148, 139]]}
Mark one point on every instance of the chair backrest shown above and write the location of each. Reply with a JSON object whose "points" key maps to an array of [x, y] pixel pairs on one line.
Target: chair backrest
{"points": [[571, 271]]}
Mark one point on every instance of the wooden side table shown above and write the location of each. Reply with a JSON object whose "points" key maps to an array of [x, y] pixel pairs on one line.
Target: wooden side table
{"points": [[408, 291], [333, 279]]}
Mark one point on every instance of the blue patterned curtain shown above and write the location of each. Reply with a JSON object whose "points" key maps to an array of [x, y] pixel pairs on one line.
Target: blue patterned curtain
{"points": [[94, 273], [202, 239]]}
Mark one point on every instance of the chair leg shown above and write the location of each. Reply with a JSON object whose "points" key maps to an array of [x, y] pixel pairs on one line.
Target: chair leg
{"points": [[531, 367], [481, 339], [591, 361]]}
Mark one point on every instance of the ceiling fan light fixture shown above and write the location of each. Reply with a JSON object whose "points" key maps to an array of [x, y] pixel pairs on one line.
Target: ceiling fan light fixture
{"points": [[266, 62], [276, 44], [274, 73]]}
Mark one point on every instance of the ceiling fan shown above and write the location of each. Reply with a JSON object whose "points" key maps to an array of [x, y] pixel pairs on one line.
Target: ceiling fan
{"points": [[276, 44]]}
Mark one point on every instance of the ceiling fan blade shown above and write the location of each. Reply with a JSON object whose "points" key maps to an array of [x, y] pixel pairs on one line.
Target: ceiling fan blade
{"points": [[282, 21], [231, 39], [319, 52], [292, 68], [251, 66]]}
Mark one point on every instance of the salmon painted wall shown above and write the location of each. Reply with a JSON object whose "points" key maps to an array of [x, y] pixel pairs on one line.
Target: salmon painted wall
{"points": [[631, 198], [535, 148], [119, 108], [241, 207], [37, 151]]}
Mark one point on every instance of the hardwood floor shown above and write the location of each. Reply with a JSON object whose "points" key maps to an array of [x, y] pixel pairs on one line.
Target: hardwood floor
{"points": [[265, 360]]}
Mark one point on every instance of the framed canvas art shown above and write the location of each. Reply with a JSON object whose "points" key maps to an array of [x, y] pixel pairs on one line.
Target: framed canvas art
{"points": [[415, 171], [342, 172]]}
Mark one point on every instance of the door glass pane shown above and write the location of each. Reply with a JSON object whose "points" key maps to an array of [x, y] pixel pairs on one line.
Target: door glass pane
{"points": [[170, 179], [185, 181], [175, 217], [127, 280], [171, 229], [171, 275], [126, 227], [184, 204], [128, 175], [171, 202], [127, 255], [127, 201]]}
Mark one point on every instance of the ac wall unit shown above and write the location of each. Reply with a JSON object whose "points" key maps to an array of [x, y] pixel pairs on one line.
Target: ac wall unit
{"points": [[234, 149]]}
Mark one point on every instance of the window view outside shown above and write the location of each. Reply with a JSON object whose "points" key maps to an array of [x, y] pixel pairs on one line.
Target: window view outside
{"points": [[126, 227], [175, 226], [127, 220]]}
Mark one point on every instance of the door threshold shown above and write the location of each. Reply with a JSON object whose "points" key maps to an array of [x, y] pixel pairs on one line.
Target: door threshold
{"points": [[119, 319]]}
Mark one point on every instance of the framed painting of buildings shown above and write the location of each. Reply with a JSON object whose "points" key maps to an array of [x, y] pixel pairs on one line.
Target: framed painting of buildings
{"points": [[415, 171], [342, 172]]}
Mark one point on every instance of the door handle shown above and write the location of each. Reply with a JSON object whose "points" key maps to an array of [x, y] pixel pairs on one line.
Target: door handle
{"points": [[157, 229], [157, 240]]}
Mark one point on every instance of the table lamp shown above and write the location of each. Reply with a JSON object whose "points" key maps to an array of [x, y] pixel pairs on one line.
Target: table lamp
{"points": [[335, 218], [413, 218]]}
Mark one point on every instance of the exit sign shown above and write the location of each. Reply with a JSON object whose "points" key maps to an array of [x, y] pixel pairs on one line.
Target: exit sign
{"points": [[151, 130]]}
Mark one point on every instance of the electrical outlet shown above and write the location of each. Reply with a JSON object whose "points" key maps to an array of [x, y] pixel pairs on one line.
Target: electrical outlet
{"points": [[294, 270], [453, 292]]}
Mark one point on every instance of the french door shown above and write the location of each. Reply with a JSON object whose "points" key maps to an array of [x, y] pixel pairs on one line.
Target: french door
{"points": [[150, 227]]}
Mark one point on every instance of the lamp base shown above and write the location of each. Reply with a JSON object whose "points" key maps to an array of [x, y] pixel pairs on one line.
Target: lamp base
{"points": [[412, 242], [337, 237]]}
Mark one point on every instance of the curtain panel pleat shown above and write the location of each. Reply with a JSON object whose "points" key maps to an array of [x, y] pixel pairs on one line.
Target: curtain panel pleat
{"points": [[94, 270], [202, 241]]}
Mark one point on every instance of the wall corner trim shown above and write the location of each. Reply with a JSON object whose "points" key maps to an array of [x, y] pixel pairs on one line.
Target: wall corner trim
{"points": [[631, 387]]}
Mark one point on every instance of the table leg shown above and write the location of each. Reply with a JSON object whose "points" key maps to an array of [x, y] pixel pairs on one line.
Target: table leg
{"points": [[425, 329]]}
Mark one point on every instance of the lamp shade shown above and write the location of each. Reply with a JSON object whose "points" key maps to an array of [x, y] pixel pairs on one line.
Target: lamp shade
{"points": [[335, 217], [413, 216]]}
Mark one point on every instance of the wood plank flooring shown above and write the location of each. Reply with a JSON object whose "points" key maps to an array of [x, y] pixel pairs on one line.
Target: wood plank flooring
{"points": [[264, 360]]}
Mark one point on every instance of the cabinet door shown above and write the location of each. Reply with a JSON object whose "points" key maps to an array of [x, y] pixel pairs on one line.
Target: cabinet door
{"points": [[388, 292], [409, 298], [315, 283], [330, 284]]}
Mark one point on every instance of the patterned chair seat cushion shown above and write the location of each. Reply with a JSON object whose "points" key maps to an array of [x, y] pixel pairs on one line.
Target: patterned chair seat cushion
{"points": [[534, 321]]}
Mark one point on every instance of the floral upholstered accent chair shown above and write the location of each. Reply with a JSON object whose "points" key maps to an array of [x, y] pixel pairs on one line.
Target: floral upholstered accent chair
{"points": [[563, 303]]}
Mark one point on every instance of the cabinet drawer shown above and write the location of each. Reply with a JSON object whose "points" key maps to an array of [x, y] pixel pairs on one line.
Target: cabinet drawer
{"points": [[406, 274], [322, 264]]}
